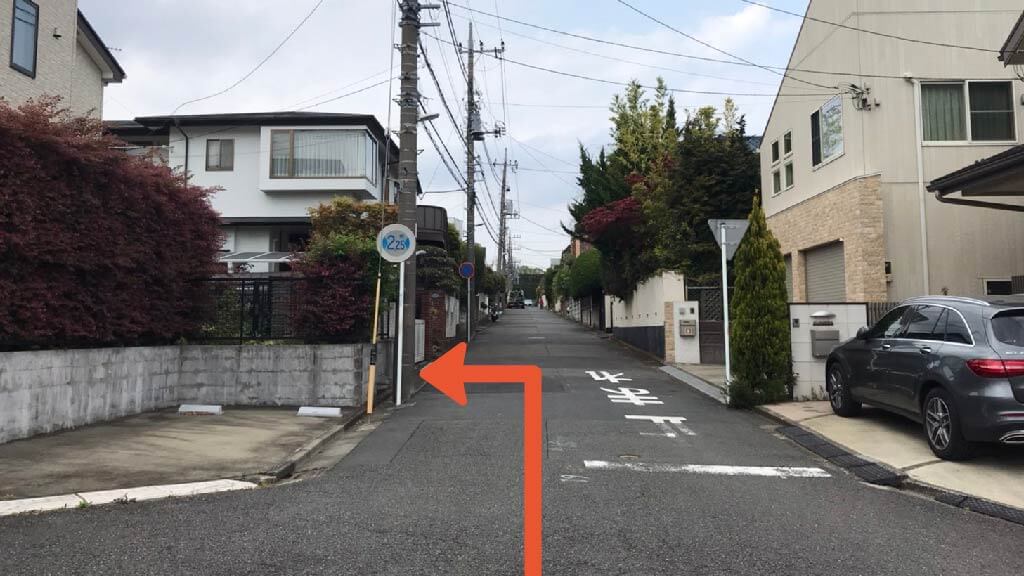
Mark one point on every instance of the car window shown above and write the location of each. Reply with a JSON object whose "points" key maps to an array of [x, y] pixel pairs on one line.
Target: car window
{"points": [[956, 330], [1008, 327], [920, 323], [888, 325]]}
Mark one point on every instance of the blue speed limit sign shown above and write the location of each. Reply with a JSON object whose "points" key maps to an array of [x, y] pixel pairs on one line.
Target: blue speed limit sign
{"points": [[396, 243]]}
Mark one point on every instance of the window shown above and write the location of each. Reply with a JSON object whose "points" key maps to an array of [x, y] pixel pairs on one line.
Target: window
{"points": [[776, 182], [816, 138], [1008, 327], [775, 151], [789, 175], [323, 154], [787, 143], [220, 155], [889, 325], [25, 37], [1000, 287], [956, 331], [921, 322], [967, 111], [827, 132]]}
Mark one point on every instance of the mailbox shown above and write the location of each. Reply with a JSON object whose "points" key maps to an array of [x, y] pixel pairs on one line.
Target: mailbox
{"points": [[688, 328], [823, 341]]}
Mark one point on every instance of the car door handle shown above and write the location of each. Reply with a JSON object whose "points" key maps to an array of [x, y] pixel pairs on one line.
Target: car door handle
{"points": [[925, 349]]}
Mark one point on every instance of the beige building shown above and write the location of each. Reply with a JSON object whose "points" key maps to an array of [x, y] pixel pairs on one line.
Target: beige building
{"points": [[48, 48], [862, 124]]}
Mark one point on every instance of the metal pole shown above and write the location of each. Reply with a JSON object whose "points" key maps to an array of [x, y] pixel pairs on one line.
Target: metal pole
{"points": [[502, 229], [401, 330], [470, 182], [725, 309], [371, 384], [407, 167]]}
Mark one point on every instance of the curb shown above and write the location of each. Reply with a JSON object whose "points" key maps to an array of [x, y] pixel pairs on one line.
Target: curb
{"points": [[286, 468], [882, 475]]}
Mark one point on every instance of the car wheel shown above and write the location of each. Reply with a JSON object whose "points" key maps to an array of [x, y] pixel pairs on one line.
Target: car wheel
{"points": [[839, 396], [942, 427]]}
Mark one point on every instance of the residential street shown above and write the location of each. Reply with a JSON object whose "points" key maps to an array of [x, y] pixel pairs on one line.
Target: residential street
{"points": [[436, 490]]}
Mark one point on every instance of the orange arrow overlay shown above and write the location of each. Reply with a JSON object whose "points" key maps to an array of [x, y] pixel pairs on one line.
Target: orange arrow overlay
{"points": [[449, 374]]}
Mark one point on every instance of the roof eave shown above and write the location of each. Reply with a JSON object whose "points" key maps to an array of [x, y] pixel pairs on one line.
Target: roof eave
{"points": [[114, 73]]}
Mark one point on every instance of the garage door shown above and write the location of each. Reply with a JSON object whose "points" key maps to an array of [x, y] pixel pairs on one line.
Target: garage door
{"points": [[826, 274]]}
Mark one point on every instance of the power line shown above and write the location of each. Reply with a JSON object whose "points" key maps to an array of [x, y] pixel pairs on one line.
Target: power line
{"points": [[872, 32], [440, 93], [455, 38], [535, 149], [261, 62], [719, 50], [539, 225], [668, 52], [676, 90]]}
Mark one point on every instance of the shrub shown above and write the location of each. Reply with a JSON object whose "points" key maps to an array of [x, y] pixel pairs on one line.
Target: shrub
{"points": [[761, 355], [97, 248]]}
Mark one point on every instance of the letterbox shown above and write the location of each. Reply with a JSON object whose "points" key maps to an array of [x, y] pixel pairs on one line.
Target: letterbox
{"points": [[823, 341], [688, 328]]}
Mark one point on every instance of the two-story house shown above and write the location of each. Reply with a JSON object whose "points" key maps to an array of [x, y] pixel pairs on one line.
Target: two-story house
{"points": [[270, 168], [881, 97], [50, 49]]}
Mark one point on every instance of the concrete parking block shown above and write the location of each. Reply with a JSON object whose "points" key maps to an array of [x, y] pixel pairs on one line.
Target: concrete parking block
{"points": [[48, 503], [165, 491]]}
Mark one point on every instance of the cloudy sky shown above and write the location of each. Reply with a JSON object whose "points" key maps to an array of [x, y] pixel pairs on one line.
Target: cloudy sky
{"points": [[178, 50]]}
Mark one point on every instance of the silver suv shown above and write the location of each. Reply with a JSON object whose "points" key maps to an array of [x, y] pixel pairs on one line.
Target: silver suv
{"points": [[954, 364]]}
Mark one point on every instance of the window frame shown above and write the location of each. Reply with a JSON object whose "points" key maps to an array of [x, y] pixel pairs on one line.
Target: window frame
{"points": [[372, 177], [776, 152], [818, 117], [35, 40], [985, 281], [788, 173], [220, 166], [776, 181], [873, 332], [970, 141], [907, 335], [787, 139]]}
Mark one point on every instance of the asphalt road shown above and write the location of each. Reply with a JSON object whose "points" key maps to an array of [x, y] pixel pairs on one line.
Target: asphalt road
{"points": [[435, 489]]}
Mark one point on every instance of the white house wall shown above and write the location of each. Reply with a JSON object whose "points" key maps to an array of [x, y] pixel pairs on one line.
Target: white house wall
{"points": [[965, 244]]}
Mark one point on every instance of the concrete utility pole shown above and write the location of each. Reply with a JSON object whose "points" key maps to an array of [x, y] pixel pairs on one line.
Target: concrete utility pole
{"points": [[504, 242], [472, 128], [408, 101]]}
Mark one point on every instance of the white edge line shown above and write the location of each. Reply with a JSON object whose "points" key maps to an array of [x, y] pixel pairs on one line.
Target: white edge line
{"points": [[721, 470]]}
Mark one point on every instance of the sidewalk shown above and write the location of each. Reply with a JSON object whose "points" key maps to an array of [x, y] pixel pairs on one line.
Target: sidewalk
{"points": [[996, 473], [158, 448]]}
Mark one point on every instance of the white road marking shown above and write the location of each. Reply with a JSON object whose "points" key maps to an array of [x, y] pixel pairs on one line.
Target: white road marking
{"points": [[606, 376], [574, 478], [635, 396], [764, 471], [536, 337], [664, 422]]}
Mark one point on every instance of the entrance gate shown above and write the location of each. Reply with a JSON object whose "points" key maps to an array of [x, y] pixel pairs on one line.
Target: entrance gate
{"points": [[712, 323]]}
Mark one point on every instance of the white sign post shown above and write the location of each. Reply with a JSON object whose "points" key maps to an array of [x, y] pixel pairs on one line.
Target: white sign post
{"points": [[395, 243], [728, 233]]}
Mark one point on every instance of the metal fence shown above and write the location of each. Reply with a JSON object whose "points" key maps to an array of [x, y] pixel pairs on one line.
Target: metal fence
{"points": [[250, 307]]}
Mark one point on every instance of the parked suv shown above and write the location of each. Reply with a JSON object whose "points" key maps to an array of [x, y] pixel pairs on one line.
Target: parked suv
{"points": [[954, 364]]}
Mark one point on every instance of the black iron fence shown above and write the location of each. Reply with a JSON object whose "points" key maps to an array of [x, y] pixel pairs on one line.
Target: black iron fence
{"points": [[251, 307]]}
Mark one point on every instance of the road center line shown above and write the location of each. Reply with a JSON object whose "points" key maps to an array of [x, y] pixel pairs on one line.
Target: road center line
{"points": [[720, 470]]}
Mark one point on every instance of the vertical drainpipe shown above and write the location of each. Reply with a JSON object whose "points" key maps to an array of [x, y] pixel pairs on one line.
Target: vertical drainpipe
{"points": [[919, 134], [177, 124]]}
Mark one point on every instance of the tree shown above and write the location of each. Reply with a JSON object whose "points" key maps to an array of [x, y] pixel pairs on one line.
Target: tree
{"points": [[98, 248], [585, 275], [435, 270], [339, 269], [761, 354]]}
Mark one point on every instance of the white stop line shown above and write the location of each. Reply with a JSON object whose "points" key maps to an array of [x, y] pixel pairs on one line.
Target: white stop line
{"points": [[765, 471]]}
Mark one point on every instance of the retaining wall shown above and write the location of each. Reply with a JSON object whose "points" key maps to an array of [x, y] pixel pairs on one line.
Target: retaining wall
{"points": [[50, 390]]}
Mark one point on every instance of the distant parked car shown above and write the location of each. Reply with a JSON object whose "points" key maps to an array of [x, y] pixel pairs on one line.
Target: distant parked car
{"points": [[954, 364], [517, 304], [527, 302]]}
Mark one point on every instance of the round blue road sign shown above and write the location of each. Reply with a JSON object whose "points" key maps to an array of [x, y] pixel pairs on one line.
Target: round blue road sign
{"points": [[467, 270]]}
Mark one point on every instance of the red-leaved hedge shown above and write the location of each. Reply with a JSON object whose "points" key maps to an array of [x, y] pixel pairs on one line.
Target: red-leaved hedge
{"points": [[96, 248]]}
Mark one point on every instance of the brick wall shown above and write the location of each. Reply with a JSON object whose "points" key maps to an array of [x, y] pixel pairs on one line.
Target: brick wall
{"points": [[670, 334], [433, 312], [850, 212]]}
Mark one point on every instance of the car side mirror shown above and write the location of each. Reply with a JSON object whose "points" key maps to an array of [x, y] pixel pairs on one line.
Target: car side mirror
{"points": [[862, 333]]}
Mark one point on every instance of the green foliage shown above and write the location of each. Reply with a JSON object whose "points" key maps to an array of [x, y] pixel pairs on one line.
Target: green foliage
{"points": [[490, 282], [548, 285], [761, 357], [436, 270], [585, 275], [455, 244]]}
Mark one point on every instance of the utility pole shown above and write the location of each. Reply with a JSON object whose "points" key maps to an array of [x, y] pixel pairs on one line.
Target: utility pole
{"points": [[408, 101], [501, 225], [471, 135], [474, 132]]}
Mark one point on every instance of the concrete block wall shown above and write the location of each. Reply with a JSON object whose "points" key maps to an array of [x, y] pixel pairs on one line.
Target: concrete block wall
{"points": [[50, 390], [808, 370]]}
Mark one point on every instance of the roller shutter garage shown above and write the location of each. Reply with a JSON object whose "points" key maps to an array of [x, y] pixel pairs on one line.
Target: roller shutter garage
{"points": [[826, 273]]}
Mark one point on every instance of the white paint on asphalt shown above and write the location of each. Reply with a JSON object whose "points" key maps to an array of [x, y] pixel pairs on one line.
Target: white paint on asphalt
{"points": [[574, 478], [635, 396], [606, 376], [720, 470], [84, 499], [668, 424]]}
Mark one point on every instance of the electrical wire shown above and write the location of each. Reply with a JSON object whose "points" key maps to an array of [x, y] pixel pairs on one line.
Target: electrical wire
{"points": [[261, 62], [872, 32]]}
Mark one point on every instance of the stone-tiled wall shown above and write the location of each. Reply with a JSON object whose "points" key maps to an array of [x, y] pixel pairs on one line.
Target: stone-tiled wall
{"points": [[852, 213], [50, 390]]}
